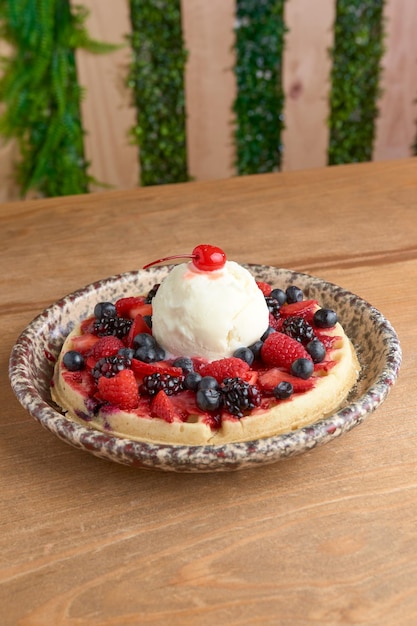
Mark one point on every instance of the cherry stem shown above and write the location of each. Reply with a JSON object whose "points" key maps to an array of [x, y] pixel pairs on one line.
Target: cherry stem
{"points": [[170, 258]]}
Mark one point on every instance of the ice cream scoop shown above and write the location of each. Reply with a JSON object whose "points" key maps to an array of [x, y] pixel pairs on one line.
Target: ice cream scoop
{"points": [[208, 313]]}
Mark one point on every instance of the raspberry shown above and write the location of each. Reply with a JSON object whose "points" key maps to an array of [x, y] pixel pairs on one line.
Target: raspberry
{"points": [[109, 345], [121, 390], [117, 326], [238, 396], [230, 367], [298, 328], [264, 287], [153, 383], [279, 350]]}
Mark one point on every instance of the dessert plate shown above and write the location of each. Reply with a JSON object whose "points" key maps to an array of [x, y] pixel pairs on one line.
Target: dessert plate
{"points": [[32, 360]]}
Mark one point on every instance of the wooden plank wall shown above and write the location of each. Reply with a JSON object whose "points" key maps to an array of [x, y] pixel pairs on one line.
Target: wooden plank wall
{"points": [[211, 87]]}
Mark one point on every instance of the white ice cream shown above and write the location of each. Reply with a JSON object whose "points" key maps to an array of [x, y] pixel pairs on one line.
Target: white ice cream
{"points": [[208, 314]]}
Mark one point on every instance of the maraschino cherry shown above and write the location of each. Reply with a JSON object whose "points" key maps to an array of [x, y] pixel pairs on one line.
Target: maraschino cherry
{"points": [[205, 257]]}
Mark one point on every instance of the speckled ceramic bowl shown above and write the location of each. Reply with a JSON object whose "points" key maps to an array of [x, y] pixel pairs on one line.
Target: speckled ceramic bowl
{"points": [[31, 365]]}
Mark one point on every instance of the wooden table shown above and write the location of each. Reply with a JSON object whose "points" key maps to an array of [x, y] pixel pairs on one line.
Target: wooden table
{"points": [[328, 537]]}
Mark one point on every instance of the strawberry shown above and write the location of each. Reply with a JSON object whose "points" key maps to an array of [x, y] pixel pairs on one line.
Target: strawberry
{"points": [[87, 325], [230, 367], [106, 346], [304, 309], [328, 340], [142, 369], [264, 287], [280, 350], [120, 390], [132, 306], [275, 323], [82, 381], [139, 326], [84, 343], [269, 379], [162, 406]]}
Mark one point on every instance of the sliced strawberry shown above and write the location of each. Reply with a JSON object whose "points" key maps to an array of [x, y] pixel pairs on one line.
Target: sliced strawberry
{"points": [[120, 390], [139, 326], [304, 309], [264, 287], [142, 369], [132, 306], [325, 366], [269, 379], [82, 381], [275, 323], [163, 407], [84, 343], [280, 350], [230, 367], [328, 340], [106, 346], [87, 325]]}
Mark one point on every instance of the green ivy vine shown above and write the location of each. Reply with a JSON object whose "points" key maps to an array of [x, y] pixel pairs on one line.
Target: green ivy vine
{"points": [[356, 56], [260, 98], [156, 79]]}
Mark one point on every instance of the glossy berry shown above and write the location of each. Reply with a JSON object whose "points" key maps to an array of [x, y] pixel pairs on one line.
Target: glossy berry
{"points": [[208, 382], [317, 350], [294, 294], [283, 390], [239, 396], [104, 309], [153, 383], [73, 361], [268, 332], [208, 399], [273, 306], [279, 350], [255, 348], [205, 257], [325, 318], [185, 363], [303, 368], [110, 366], [245, 354], [117, 326], [143, 340], [150, 354], [279, 295], [297, 328], [192, 381]]}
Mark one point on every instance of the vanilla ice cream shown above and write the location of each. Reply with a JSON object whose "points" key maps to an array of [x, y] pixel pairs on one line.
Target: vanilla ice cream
{"points": [[208, 314]]}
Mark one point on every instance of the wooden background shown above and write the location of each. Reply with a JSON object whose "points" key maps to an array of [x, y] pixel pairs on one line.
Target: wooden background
{"points": [[210, 90]]}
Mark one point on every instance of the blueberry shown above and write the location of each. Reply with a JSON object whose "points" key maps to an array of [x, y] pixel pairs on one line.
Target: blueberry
{"points": [[256, 348], [147, 354], [129, 353], [316, 350], [302, 368], [73, 361], [208, 399], [283, 390], [185, 363], [208, 382], [325, 318], [268, 332], [279, 295], [144, 340], [294, 294], [192, 380], [244, 354], [160, 353], [104, 309]]}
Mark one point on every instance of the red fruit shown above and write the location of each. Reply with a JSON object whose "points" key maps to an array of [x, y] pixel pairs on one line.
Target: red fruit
{"points": [[120, 390], [139, 326], [142, 369], [280, 350], [106, 346], [205, 257], [304, 309], [328, 340], [264, 287], [275, 323], [230, 367], [269, 379], [82, 381], [132, 306], [84, 343], [161, 406], [87, 325]]}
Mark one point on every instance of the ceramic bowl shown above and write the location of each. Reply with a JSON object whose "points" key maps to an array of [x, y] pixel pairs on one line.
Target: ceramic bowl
{"points": [[33, 356]]}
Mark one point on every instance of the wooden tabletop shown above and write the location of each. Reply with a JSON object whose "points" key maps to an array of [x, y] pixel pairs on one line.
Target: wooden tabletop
{"points": [[327, 537]]}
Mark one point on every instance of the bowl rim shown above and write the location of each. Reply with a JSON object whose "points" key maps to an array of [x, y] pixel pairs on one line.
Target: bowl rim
{"points": [[208, 457]]}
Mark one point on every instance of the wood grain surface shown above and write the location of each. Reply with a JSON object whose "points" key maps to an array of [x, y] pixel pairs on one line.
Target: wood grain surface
{"points": [[326, 538]]}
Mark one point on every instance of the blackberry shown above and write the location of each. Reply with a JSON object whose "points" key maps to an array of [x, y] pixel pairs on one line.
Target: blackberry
{"points": [[153, 383], [273, 306], [151, 294], [109, 366], [298, 328], [117, 326], [239, 396]]}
